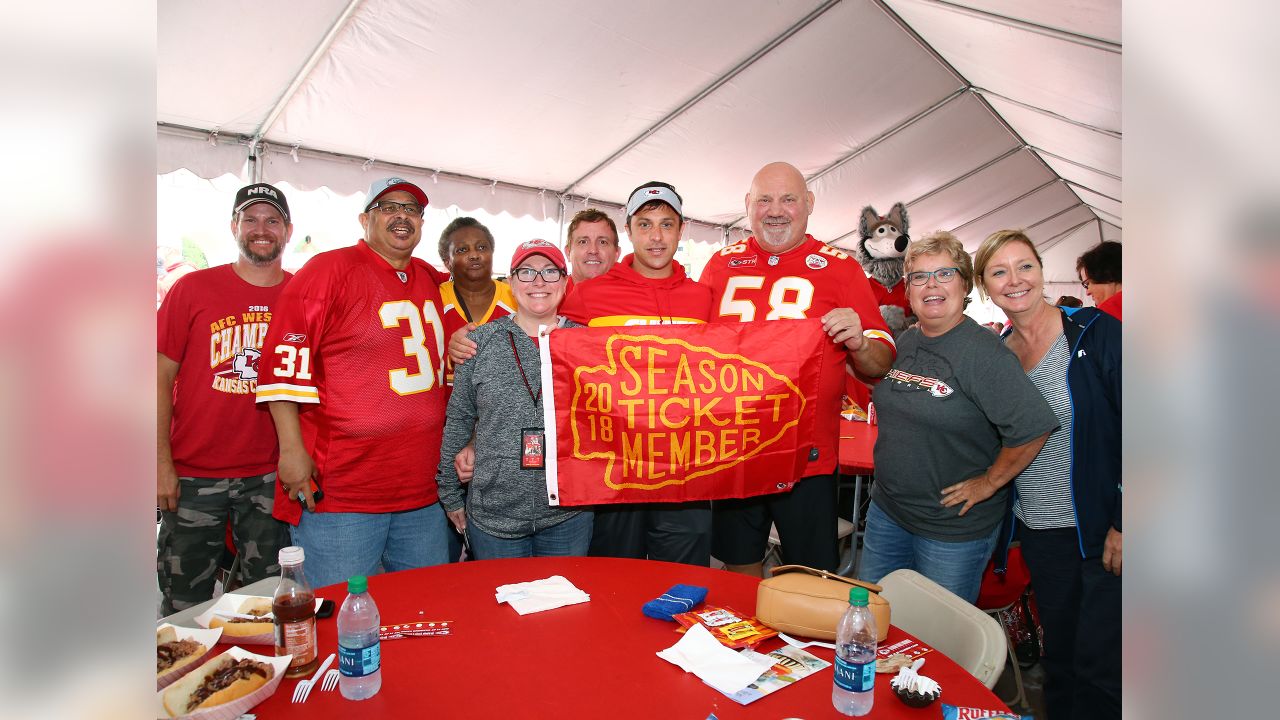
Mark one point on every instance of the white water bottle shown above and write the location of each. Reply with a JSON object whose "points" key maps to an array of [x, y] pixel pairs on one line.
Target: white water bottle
{"points": [[359, 652], [855, 669]]}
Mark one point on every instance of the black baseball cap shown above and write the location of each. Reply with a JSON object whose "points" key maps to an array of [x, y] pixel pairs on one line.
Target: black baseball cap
{"points": [[261, 192]]}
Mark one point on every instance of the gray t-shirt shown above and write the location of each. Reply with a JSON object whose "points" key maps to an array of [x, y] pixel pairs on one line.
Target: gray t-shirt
{"points": [[945, 410]]}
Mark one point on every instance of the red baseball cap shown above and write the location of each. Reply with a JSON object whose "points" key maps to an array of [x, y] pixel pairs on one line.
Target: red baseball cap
{"points": [[538, 247]]}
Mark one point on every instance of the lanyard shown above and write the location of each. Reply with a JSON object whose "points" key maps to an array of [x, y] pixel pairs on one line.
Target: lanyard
{"points": [[516, 354]]}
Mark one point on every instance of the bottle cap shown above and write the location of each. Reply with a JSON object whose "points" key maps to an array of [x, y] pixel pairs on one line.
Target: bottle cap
{"points": [[357, 584], [858, 596], [291, 555]]}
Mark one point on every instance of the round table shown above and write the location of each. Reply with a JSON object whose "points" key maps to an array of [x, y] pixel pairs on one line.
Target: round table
{"points": [[595, 659]]}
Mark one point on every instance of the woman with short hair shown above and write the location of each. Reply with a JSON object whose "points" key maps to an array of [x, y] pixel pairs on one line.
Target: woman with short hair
{"points": [[958, 420]]}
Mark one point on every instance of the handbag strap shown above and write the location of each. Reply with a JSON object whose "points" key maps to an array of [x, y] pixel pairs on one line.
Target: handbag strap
{"points": [[781, 569]]}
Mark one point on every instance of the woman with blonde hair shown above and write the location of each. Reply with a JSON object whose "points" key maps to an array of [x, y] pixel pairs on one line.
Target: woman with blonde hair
{"points": [[958, 420], [1068, 499]]}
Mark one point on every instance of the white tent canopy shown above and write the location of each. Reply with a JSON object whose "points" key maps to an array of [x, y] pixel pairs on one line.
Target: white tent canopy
{"points": [[988, 115]]}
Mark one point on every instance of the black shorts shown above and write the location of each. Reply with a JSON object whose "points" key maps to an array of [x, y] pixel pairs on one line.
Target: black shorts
{"points": [[672, 532], [806, 520]]}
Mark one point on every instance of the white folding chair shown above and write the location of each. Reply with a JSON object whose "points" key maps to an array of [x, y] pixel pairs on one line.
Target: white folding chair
{"points": [[945, 622]]}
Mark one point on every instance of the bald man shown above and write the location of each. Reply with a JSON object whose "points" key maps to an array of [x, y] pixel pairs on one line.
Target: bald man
{"points": [[781, 272]]}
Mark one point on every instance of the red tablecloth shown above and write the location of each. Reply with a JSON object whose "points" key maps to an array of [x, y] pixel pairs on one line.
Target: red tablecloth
{"points": [[857, 447], [593, 660]]}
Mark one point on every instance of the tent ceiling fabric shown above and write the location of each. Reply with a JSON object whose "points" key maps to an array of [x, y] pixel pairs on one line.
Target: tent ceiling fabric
{"points": [[982, 115]]}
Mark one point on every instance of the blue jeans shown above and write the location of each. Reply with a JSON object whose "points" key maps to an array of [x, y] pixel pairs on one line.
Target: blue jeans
{"points": [[339, 545], [569, 538], [956, 566]]}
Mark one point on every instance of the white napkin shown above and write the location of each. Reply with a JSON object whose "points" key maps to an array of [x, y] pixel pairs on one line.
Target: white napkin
{"points": [[539, 595], [700, 653]]}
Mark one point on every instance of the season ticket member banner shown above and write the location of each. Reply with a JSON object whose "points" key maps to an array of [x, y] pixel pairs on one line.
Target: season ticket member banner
{"points": [[679, 412]]}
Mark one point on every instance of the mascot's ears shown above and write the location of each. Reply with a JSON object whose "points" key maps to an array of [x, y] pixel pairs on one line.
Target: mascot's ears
{"points": [[867, 221], [898, 216]]}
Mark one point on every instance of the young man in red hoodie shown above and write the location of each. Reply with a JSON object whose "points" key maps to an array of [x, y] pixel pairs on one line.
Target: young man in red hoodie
{"points": [[648, 287]]}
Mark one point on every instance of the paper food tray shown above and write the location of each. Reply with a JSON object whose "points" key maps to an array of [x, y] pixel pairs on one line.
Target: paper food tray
{"points": [[206, 637], [236, 708], [229, 603]]}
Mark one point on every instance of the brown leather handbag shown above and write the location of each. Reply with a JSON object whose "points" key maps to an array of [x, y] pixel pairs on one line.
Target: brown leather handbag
{"points": [[803, 601]]}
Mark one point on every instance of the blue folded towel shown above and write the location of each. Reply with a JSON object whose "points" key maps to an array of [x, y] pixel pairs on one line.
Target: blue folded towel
{"points": [[679, 599]]}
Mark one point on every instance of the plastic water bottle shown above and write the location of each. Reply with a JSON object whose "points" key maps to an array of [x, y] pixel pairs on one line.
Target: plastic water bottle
{"points": [[855, 670], [359, 652]]}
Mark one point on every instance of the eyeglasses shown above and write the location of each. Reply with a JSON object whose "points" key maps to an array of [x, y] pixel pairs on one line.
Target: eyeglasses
{"points": [[386, 207], [944, 275], [528, 274]]}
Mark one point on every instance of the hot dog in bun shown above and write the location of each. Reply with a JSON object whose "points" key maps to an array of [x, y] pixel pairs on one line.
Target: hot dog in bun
{"points": [[174, 654], [216, 682], [256, 607]]}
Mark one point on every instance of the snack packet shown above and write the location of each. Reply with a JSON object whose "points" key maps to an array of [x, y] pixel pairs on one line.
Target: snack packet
{"points": [[731, 628], [951, 712]]}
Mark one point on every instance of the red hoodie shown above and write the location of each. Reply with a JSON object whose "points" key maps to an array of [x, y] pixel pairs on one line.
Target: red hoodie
{"points": [[623, 296]]}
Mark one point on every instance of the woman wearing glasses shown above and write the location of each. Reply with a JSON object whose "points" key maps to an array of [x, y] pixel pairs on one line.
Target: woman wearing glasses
{"points": [[1068, 498], [497, 399], [958, 420]]}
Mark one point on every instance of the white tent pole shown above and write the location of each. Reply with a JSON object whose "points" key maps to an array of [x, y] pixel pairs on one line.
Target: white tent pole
{"points": [[995, 210], [1047, 244], [1009, 153], [1077, 38], [706, 91], [1111, 219], [1063, 211], [1049, 113], [1076, 163], [876, 141], [1095, 192], [307, 67]]}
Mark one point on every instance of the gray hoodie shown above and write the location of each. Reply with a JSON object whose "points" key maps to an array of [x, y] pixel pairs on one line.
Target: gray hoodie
{"points": [[490, 399]]}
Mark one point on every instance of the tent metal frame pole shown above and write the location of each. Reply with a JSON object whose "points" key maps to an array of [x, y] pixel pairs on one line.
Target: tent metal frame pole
{"points": [[1060, 213], [1086, 188], [995, 210], [954, 181], [950, 183], [1056, 33], [1078, 164], [715, 85], [1050, 114], [1099, 212], [321, 50], [928, 48], [1056, 239], [876, 141]]}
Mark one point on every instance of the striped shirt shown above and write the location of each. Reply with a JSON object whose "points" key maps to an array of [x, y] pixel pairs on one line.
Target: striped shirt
{"points": [[1044, 487]]}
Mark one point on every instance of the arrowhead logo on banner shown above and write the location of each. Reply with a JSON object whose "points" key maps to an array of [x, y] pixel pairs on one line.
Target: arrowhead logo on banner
{"points": [[709, 411], [680, 412]]}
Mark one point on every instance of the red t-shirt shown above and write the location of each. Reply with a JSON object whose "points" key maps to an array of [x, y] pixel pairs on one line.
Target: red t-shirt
{"points": [[623, 296], [213, 324], [358, 345], [1112, 307], [807, 281], [895, 296]]}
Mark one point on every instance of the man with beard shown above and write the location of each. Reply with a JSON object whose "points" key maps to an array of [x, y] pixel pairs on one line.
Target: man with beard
{"points": [[782, 273], [216, 451], [353, 374]]}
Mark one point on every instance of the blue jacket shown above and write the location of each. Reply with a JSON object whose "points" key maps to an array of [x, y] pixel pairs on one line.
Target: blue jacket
{"points": [[1093, 383]]}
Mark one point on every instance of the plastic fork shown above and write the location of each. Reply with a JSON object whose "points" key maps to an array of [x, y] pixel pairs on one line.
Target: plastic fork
{"points": [[798, 644], [303, 688], [330, 680]]}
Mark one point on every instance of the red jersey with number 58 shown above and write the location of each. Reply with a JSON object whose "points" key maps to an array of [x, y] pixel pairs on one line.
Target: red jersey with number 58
{"points": [[807, 281], [358, 345]]}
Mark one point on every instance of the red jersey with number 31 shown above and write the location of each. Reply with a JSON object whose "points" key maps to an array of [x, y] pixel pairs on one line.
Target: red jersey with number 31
{"points": [[807, 281], [358, 345]]}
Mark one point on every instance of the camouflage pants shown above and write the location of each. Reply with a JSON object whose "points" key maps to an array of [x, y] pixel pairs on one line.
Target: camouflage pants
{"points": [[191, 540]]}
